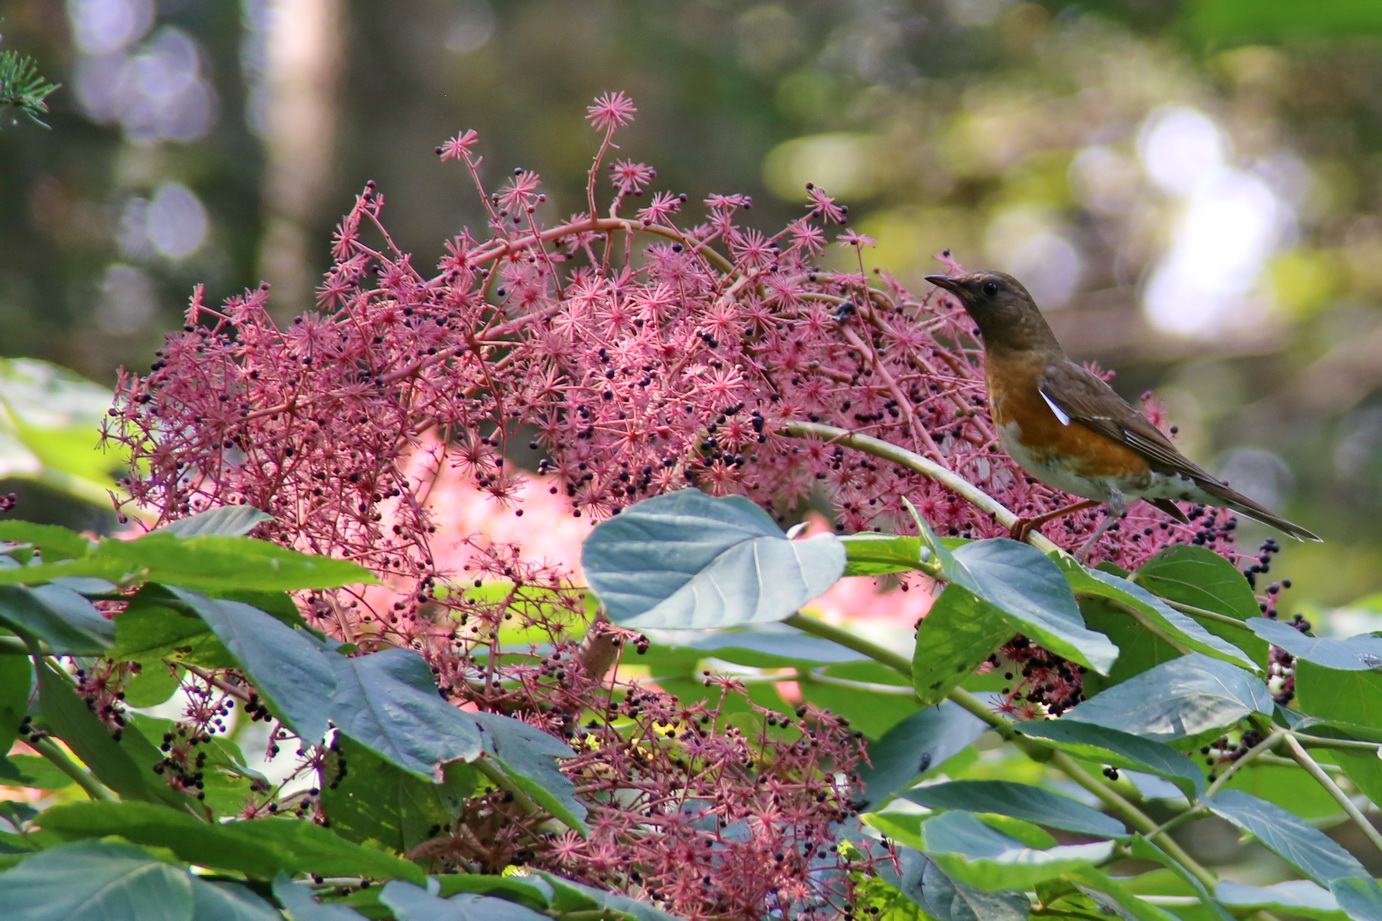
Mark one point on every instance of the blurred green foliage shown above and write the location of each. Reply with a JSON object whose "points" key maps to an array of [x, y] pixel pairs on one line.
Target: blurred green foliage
{"points": [[1020, 135]]}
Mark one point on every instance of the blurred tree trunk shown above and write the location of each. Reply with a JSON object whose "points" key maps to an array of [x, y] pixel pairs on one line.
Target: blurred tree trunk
{"points": [[304, 57]]}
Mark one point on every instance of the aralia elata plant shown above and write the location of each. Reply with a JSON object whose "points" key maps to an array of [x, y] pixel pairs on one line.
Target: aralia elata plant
{"points": [[642, 354]]}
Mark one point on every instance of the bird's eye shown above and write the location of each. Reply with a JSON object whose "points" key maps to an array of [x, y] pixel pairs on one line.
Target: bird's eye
{"points": [[990, 288]]}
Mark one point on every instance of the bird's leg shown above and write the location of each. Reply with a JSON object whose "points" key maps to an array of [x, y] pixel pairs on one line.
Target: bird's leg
{"points": [[1117, 508], [1024, 526]]}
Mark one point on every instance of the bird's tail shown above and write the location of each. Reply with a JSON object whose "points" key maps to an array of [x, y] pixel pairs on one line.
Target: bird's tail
{"points": [[1231, 498]]}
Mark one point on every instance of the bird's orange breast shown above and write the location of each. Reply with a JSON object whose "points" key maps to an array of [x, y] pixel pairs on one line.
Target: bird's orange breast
{"points": [[1020, 412]]}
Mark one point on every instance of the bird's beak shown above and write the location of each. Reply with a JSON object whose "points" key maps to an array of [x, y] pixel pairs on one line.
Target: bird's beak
{"points": [[950, 283]]}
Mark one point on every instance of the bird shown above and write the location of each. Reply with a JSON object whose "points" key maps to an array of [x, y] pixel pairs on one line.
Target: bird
{"points": [[1067, 427]]}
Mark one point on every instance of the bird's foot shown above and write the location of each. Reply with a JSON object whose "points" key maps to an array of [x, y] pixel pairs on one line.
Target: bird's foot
{"points": [[1023, 527]]}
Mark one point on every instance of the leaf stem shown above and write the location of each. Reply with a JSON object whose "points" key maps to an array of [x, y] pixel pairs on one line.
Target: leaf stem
{"points": [[1321, 776], [54, 753], [897, 662]]}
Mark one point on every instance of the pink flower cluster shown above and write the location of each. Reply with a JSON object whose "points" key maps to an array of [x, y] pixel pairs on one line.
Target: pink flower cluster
{"points": [[620, 356]]}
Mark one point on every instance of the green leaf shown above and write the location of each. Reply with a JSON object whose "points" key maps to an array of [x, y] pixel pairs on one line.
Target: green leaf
{"points": [[258, 848], [1164, 619], [1347, 697], [579, 894], [293, 672], [1359, 897], [1030, 592], [920, 743], [388, 702], [1114, 897], [871, 554], [1020, 801], [1296, 896], [49, 422], [527, 756], [977, 854], [378, 801], [1119, 749], [219, 901], [412, 903], [209, 564], [533, 891], [768, 646], [940, 896], [297, 898], [685, 560], [957, 635], [59, 618], [1178, 699], [1144, 849], [125, 766], [149, 630], [16, 687], [1199, 577], [1140, 649], [152, 686], [214, 563], [36, 772], [96, 881], [225, 521], [54, 542], [1357, 653], [1294, 840]]}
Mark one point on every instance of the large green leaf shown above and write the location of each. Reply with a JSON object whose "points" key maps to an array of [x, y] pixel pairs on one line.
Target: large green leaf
{"points": [[1144, 849], [1113, 896], [948, 899], [986, 858], [1294, 896], [208, 563], [1118, 748], [1357, 653], [57, 617], [957, 635], [1199, 577], [50, 420], [1346, 697], [413, 903], [1030, 591], [1020, 801], [293, 672], [920, 743], [225, 521], [527, 756], [1178, 699], [871, 554], [149, 630], [53, 542], [569, 895], [376, 800], [1161, 617], [1294, 840], [221, 901], [1359, 897], [125, 766], [259, 848], [387, 701], [303, 906], [768, 646], [16, 686], [687, 560], [96, 881]]}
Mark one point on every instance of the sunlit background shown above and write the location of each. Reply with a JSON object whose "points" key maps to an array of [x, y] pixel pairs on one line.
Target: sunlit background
{"points": [[1191, 190]]}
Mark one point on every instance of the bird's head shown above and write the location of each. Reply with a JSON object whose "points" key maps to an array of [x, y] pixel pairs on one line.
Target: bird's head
{"points": [[1002, 308]]}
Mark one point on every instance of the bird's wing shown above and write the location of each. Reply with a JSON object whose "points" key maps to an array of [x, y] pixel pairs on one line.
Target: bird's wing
{"points": [[1090, 401]]}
